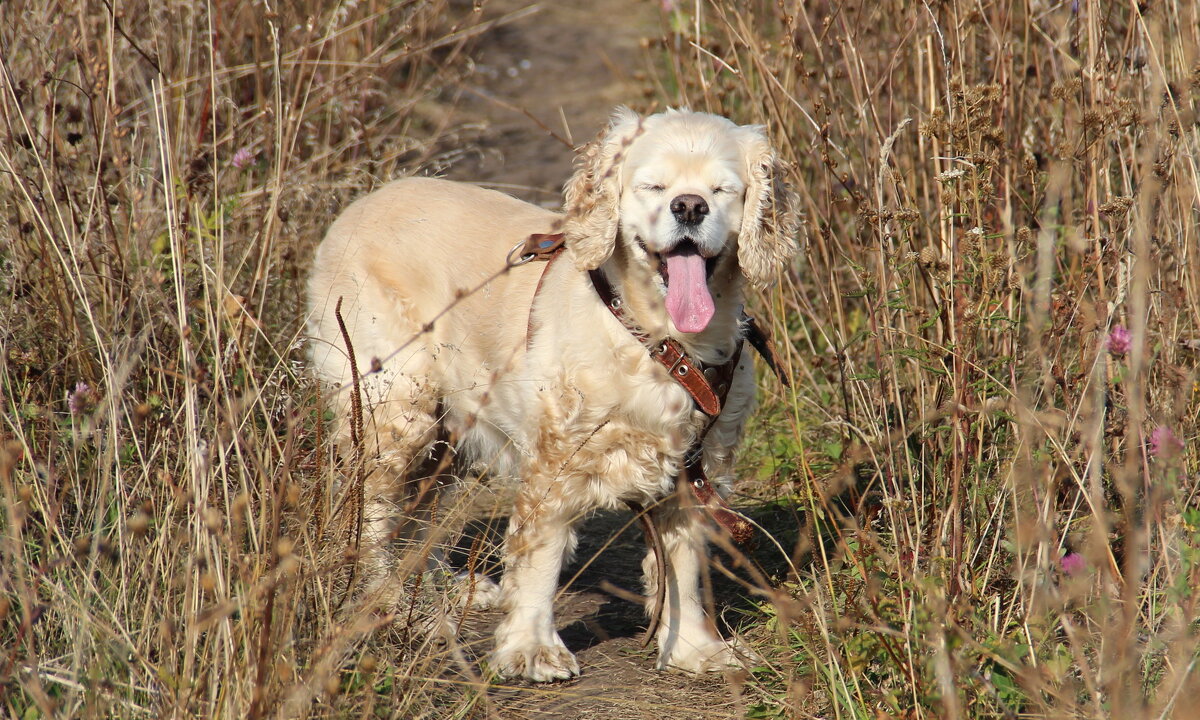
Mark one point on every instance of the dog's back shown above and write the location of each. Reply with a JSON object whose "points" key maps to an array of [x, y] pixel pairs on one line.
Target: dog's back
{"points": [[419, 268]]}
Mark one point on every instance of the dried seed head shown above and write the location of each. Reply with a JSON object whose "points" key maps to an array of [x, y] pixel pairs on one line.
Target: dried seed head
{"points": [[1066, 88], [368, 663], [139, 523], [970, 317], [1118, 207], [970, 242], [292, 496], [929, 256]]}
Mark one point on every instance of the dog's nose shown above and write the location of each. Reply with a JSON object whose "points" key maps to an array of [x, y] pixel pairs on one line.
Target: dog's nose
{"points": [[689, 209]]}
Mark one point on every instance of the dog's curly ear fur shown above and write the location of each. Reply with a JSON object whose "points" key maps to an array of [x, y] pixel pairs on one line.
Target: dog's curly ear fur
{"points": [[769, 221], [593, 194]]}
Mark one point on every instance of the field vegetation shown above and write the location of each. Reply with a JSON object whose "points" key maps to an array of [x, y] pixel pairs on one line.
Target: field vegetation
{"points": [[979, 494]]}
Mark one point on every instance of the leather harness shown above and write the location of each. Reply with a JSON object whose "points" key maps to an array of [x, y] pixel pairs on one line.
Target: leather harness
{"points": [[707, 386]]}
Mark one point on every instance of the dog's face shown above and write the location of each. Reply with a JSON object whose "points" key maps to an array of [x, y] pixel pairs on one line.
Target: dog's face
{"points": [[683, 190], [685, 194], [684, 180]]}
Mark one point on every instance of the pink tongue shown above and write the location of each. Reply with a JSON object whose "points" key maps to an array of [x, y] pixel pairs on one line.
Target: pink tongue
{"points": [[688, 301]]}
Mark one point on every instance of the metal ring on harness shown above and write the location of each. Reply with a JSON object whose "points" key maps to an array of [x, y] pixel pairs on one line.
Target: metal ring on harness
{"points": [[520, 260]]}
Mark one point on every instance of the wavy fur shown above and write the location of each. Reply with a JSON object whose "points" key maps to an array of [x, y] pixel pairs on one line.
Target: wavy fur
{"points": [[770, 221], [579, 411], [593, 193]]}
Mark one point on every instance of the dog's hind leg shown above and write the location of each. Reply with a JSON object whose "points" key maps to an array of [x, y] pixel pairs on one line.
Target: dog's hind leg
{"points": [[401, 450]]}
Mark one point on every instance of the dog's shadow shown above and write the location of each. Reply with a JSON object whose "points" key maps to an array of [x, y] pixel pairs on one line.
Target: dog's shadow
{"points": [[599, 588]]}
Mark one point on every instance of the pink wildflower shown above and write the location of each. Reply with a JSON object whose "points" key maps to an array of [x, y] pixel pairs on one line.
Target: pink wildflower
{"points": [[81, 399], [242, 158], [1164, 443], [1119, 340], [1072, 564]]}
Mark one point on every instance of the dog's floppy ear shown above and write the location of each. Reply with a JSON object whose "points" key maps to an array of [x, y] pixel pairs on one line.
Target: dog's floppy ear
{"points": [[593, 194], [769, 221]]}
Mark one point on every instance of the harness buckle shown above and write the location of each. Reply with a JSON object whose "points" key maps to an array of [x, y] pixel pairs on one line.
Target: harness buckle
{"points": [[679, 367]]}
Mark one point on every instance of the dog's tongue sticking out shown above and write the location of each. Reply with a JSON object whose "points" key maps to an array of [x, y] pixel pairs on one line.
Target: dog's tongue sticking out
{"points": [[688, 301]]}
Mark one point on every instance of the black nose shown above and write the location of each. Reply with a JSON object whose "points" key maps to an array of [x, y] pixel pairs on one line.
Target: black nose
{"points": [[689, 209]]}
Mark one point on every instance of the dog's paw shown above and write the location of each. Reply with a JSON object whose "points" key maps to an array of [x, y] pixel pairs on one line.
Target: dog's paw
{"points": [[479, 592], [536, 662], [714, 655]]}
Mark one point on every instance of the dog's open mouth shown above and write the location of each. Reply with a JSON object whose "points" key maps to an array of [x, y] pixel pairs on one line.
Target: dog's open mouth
{"points": [[685, 272]]}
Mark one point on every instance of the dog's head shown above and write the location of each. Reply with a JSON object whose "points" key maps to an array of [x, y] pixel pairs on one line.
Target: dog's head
{"points": [[685, 193]]}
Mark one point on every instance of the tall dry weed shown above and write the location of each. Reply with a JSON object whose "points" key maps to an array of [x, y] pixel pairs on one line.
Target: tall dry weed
{"points": [[996, 319], [171, 542]]}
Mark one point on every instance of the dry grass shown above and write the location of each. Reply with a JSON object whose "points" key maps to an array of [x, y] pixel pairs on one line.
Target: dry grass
{"points": [[169, 531], [991, 449], [996, 321]]}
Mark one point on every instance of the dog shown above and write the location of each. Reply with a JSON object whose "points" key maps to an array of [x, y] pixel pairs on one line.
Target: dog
{"points": [[527, 368]]}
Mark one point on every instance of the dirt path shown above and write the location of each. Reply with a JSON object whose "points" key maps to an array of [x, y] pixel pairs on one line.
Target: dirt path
{"points": [[561, 65], [619, 680], [567, 65]]}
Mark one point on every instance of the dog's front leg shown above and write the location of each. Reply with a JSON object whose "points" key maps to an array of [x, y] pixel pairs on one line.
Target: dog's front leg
{"points": [[540, 535], [687, 639]]}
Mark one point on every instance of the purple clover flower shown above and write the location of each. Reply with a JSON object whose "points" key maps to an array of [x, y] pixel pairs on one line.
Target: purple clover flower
{"points": [[1119, 340], [1164, 443], [1072, 564], [80, 399], [242, 158]]}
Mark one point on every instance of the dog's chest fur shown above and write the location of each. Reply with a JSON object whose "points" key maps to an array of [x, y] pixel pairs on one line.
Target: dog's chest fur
{"points": [[606, 422]]}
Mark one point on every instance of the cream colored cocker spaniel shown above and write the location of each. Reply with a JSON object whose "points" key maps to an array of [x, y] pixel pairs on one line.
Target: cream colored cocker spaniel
{"points": [[678, 211]]}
